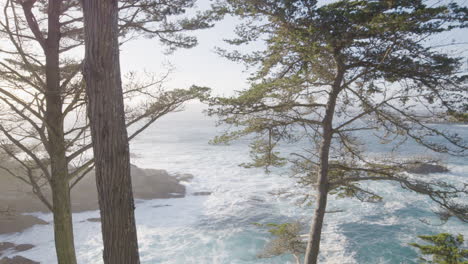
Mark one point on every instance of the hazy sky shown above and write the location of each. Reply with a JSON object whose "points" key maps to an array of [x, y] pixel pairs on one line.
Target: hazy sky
{"points": [[202, 66], [199, 65]]}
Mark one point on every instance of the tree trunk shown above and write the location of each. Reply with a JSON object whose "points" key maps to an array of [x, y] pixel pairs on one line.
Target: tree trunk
{"points": [[63, 225], [108, 131], [313, 244]]}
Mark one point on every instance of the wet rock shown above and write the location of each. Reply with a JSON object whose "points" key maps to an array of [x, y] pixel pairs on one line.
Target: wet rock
{"points": [[426, 168], [153, 184], [201, 193], [176, 195], [8, 246], [23, 247], [147, 184], [5, 245], [17, 223], [17, 197], [160, 205], [17, 260]]}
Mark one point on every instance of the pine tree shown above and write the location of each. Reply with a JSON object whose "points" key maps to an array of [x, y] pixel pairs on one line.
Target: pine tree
{"points": [[444, 248], [329, 71], [42, 88]]}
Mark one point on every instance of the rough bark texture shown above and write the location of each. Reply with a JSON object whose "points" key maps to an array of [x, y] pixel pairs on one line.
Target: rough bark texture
{"points": [[313, 244], [109, 135], [63, 226]]}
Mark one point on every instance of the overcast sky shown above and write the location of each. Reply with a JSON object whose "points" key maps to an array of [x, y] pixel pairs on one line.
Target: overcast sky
{"points": [[202, 66], [199, 65]]}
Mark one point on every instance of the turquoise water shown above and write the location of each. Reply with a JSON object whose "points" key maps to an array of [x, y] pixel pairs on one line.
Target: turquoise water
{"points": [[218, 228]]}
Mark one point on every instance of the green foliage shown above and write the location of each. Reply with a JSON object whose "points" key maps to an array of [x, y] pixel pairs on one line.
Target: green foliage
{"points": [[168, 22], [444, 248], [278, 229], [353, 190], [262, 155], [170, 100], [287, 240], [371, 55], [379, 46], [455, 116], [330, 70]]}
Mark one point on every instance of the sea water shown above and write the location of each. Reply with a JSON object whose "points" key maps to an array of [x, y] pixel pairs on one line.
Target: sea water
{"points": [[219, 228]]}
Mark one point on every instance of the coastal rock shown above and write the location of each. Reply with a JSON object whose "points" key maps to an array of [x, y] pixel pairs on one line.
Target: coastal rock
{"points": [[160, 205], [17, 260], [18, 222], [146, 183], [152, 184], [17, 197], [8, 246], [5, 245], [202, 193], [426, 168], [23, 247]]}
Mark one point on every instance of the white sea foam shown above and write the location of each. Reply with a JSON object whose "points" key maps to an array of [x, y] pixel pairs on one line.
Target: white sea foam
{"points": [[218, 228]]}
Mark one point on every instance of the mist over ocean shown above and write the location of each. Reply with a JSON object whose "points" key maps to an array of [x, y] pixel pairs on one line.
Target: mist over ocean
{"points": [[219, 228]]}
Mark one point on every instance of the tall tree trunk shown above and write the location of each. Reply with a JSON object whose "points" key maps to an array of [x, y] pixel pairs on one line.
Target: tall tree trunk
{"points": [[108, 131], [313, 244], [63, 225]]}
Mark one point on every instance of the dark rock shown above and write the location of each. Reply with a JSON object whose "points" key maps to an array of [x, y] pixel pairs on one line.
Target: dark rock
{"points": [[5, 245], [147, 184], [153, 184], [161, 205], [17, 197], [425, 168], [95, 220], [201, 193], [176, 195], [18, 222], [17, 260], [23, 247]]}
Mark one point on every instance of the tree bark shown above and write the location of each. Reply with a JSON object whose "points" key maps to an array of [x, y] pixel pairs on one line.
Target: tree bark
{"points": [[108, 131], [63, 225], [313, 244]]}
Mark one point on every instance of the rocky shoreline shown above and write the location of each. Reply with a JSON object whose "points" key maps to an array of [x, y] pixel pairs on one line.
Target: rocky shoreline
{"points": [[8, 247], [17, 200]]}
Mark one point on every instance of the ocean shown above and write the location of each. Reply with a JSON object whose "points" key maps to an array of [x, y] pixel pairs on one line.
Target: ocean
{"points": [[219, 228]]}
